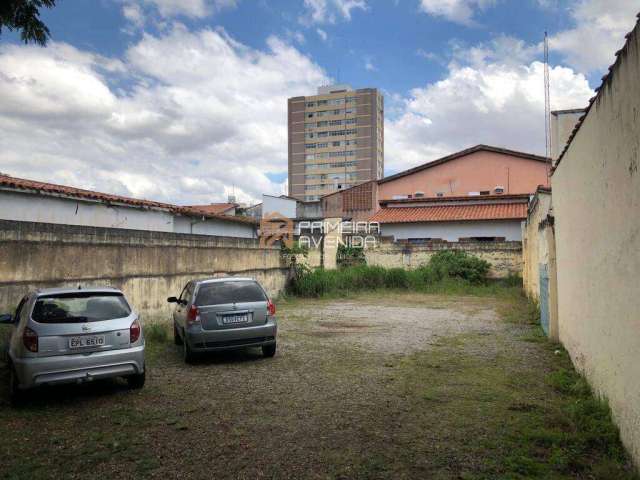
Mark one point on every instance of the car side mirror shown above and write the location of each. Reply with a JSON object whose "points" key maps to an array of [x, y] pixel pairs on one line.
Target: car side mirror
{"points": [[172, 300], [6, 319]]}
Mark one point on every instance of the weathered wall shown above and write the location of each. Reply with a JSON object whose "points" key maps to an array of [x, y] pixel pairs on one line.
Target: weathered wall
{"points": [[505, 257], [538, 252], [596, 200], [147, 266], [534, 249]]}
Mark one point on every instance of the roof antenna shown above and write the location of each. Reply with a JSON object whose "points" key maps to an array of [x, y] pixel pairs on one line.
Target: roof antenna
{"points": [[79, 287], [547, 104]]}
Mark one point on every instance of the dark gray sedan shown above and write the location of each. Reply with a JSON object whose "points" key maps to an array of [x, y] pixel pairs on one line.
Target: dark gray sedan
{"points": [[224, 313]]}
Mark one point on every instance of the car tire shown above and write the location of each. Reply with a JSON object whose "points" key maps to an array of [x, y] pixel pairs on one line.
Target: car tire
{"points": [[16, 396], [177, 339], [136, 382], [269, 350], [187, 354]]}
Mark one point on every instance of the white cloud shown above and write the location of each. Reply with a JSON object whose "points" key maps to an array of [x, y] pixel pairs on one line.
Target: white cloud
{"points": [[182, 117], [329, 11], [191, 8], [368, 65], [322, 34], [458, 11], [487, 100], [600, 26]]}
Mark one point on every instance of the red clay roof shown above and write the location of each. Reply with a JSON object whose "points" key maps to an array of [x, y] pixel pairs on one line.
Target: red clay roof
{"points": [[54, 189], [462, 153], [213, 207], [451, 213]]}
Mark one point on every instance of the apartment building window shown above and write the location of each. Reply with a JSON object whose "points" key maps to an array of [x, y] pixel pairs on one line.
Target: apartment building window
{"points": [[310, 145], [338, 112], [351, 100], [311, 104], [324, 123], [322, 102], [335, 123], [310, 135], [310, 115], [350, 121], [309, 156], [322, 134], [336, 101], [322, 145], [309, 126]]}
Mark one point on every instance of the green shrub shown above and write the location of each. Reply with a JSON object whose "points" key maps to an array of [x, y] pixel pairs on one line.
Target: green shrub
{"points": [[459, 264], [156, 332]]}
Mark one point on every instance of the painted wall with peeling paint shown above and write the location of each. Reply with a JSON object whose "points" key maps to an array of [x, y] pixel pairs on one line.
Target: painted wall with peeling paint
{"points": [[596, 202]]}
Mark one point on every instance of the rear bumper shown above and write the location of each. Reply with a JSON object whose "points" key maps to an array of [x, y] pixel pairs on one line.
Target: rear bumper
{"points": [[78, 368], [211, 340]]}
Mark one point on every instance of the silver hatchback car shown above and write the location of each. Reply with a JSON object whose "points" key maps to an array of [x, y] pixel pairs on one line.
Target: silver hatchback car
{"points": [[224, 313], [72, 336]]}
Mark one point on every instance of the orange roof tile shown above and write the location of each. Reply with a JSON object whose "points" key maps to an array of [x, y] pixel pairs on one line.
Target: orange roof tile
{"points": [[213, 207], [451, 213]]}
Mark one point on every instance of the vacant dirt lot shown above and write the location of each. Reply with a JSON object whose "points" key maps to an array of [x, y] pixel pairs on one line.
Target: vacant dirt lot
{"points": [[377, 386]]}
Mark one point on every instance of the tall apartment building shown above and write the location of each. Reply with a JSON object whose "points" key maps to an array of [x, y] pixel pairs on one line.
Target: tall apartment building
{"points": [[336, 140]]}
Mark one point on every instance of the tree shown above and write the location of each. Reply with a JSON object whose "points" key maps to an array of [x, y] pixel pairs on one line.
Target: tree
{"points": [[23, 15]]}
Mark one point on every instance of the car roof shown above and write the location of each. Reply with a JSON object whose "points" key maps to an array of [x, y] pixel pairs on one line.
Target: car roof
{"points": [[60, 290], [225, 279]]}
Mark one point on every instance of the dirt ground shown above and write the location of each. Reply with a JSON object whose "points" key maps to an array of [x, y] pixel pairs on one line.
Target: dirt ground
{"points": [[377, 386]]}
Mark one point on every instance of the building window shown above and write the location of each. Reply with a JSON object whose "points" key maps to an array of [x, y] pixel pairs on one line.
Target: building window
{"points": [[322, 145], [322, 102], [310, 115], [335, 123], [309, 156], [310, 145], [499, 189], [440, 194], [485, 192]]}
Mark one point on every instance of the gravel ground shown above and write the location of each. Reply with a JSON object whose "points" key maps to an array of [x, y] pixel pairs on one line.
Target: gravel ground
{"points": [[379, 386]]}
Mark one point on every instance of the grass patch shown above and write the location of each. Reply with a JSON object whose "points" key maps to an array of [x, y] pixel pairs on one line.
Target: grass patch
{"points": [[449, 270], [156, 332]]}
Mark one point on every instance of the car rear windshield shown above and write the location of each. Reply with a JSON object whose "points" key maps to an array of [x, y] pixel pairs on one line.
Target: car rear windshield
{"points": [[80, 307], [229, 292]]}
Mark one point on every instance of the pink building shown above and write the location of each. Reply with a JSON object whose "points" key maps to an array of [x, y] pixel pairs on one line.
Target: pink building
{"points": [[479, 170]]}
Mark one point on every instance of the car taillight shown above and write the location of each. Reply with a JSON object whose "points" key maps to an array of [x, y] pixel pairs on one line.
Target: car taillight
{"points": [[193, 316], [30, 339], [134, 331], [271, 308]]}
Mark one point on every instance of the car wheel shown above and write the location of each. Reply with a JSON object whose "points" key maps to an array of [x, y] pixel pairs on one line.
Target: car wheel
{"points": [[16, 396], [177, 339], [137, 381], [187, 353], [269, 350]]}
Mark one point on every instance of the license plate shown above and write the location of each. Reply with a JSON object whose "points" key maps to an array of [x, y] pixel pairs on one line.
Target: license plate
{"points": [[233, 319], [86, 341]]}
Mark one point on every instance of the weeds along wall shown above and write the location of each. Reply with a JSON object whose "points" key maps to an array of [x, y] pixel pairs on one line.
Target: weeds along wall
{"points": [[505, 258], [148, 266]]}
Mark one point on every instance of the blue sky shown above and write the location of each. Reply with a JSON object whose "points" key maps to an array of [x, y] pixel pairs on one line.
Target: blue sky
{"points": [[185, 100]]}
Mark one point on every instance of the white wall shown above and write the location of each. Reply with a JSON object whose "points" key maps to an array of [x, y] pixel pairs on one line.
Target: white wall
{"points": [[283, 206], [596, 203], [452, 231], [213, 227], [29, 207]]}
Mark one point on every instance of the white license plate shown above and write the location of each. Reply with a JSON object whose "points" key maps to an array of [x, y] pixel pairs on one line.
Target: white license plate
{"points": [[86, 341], [232, 319]]}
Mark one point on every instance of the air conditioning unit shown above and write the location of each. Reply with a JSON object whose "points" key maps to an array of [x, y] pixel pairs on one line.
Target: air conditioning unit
{"points": [[498, 189]]}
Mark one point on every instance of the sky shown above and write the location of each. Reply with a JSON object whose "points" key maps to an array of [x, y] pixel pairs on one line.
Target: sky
{"points": [[184, 101]]}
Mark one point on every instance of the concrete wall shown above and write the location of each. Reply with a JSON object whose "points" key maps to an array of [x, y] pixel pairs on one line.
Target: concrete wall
{"points": [[147, 266], [505, 257], [283, 206], [562, 123], [596, 200], [453, 231], [475, 172], [30, 207], [538, 252]]}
